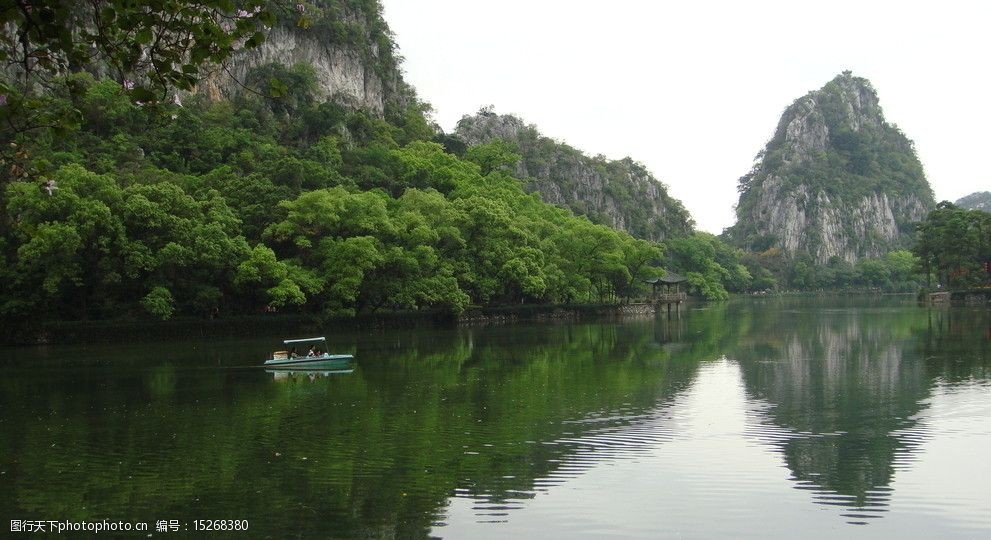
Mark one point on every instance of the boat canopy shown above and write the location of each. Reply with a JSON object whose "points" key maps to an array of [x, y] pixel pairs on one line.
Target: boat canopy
{"points": [[307, 340]]}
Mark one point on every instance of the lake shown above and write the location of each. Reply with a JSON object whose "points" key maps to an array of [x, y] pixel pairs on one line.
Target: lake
{"points": [[761, 418]]}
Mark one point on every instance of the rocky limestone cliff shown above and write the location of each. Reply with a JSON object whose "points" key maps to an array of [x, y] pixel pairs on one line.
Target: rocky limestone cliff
{"points": [[836, 180], [348, 45], [621, 194], [980, 200]]}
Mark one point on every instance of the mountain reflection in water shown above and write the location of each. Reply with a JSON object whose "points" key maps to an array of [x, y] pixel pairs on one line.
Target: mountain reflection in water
{"points": [[807, 414]]}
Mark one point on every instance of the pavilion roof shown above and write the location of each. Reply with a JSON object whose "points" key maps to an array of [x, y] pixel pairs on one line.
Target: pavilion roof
{"points": [[670, 278]]}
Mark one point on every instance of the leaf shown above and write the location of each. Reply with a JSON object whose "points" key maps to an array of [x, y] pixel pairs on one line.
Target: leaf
{"points": [[277, 88], [244, 25], [143, 36], [199, 54], [143, 94], [267, 18], [46, 15], [255, 40], [187, 81]]}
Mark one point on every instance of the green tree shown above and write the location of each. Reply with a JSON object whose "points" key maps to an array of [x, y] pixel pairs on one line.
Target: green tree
{"points": [[159, 303], [493, 155], [283, 283], [874, 273], [696, 257], [954, 245]]}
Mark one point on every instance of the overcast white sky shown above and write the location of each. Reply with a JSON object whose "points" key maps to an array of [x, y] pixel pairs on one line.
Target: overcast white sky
{"points": [[694, 89]]}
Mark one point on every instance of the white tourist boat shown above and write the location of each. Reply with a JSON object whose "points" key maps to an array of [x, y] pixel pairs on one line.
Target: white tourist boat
{"points": [[310, 353]]}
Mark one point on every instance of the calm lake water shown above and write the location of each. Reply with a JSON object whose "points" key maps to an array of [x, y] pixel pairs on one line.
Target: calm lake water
{"points": [[757, 418]]}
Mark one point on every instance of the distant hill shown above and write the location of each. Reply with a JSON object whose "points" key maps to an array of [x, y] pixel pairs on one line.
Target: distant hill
{"points": [[980, 200], [622, 194], [836, 180]]}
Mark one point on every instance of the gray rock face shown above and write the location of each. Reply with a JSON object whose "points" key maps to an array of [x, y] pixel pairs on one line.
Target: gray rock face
{"points": [[835, 181], [348, 73], [621, 194], [980, 200], [806, 220]]}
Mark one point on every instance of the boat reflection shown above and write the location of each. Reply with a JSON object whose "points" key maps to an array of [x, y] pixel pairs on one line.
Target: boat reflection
{"points": [[311, 374]]}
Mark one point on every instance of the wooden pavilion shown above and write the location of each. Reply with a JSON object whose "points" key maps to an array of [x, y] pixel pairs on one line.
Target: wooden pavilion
{"points": [[668, 280]]}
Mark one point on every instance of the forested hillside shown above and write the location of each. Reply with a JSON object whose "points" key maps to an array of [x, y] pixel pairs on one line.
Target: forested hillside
{"points": [[619, 193], [237, 205]]}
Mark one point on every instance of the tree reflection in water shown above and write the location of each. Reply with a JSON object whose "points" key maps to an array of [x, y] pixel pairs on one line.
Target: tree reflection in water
{"points": [[491, 415]]}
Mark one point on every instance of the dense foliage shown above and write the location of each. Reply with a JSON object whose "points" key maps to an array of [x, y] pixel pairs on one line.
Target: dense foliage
{"points": [[235, 206], [954, 247], [713, 268], [895, 272]]}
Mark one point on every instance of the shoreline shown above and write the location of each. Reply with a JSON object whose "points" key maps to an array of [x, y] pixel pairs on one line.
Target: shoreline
{"points": [[135, 330]]}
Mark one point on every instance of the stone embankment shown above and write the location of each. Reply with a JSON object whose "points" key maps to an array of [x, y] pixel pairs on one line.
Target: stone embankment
{"points": [[958, 298]]}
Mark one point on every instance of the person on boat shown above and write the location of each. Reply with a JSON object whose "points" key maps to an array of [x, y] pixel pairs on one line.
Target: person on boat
{"points": [[293, 353], [312, 352]]}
